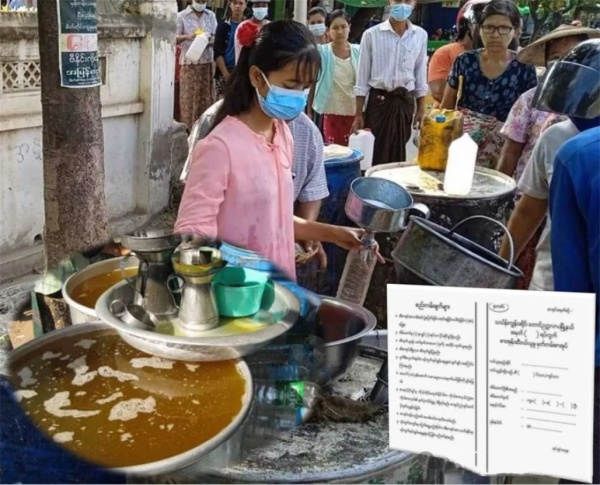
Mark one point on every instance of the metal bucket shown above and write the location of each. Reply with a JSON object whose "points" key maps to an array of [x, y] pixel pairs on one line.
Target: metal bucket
{"points": [[492, 195], [78, 312], [438, 256]]}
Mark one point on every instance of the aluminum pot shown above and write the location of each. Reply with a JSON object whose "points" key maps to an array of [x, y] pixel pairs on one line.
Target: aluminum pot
{"points": [[80, 313], [380, 205], [178, 463], [342, 326], [434, 255]]}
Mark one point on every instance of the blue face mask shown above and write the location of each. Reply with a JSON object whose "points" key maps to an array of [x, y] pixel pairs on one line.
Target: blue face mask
{"points": [[401, 12], [260, 13], [281, 103]]}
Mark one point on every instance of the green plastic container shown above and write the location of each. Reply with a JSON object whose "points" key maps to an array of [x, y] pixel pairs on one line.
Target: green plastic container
{"points": [[239, 291]]}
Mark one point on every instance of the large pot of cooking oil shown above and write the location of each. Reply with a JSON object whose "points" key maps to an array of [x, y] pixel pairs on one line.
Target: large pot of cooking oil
{"points": [[124, 410]]}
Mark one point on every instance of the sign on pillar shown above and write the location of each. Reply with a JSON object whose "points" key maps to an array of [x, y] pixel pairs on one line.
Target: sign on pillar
{"points": [[78, 44]]}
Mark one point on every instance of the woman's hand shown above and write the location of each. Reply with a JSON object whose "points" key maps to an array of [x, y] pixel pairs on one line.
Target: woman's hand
{"points": [[350, 239]]}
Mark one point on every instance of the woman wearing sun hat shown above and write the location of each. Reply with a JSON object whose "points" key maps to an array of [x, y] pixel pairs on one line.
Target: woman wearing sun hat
{"points": [[521, 130]]}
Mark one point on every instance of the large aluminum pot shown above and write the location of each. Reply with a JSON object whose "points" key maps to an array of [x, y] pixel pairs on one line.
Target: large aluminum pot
{"points": [[83, 314], [341, 325], [178, 463]]}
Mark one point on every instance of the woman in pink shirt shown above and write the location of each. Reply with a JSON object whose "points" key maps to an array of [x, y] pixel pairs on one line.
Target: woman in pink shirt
{"points": [[239, 188]]}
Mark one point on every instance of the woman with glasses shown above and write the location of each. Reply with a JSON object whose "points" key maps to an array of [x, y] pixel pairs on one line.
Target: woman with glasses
{"points": [[491, 80]]}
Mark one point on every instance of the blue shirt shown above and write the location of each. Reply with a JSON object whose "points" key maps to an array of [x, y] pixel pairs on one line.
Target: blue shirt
{"points": [[575, 213], [492, 97], [230, 52]]}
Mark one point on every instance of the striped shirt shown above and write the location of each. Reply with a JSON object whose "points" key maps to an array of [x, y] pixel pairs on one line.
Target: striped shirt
{"points": [[187, 23], [308, 168], [388, 61]]}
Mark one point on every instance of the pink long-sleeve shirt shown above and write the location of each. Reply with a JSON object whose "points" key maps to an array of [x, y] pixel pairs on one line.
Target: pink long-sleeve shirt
{"points": [[240, 191]]}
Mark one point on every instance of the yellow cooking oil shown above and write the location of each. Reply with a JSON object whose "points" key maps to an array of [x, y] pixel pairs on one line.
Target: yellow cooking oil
{"points": [[89, 291], [117, 407]]}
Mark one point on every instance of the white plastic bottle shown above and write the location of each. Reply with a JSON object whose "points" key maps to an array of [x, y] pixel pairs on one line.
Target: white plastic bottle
{"points": [[364, 141], [198, 47], [460, 170]]}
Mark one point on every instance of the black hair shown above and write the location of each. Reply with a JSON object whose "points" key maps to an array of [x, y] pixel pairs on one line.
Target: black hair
{"points": [[337, 14], [506, 8], [278, 43], [579, 38], [463, 29], [317, 11]]}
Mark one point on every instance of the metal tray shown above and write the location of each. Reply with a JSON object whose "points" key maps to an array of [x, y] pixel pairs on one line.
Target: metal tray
{"points": [[282, 308]]}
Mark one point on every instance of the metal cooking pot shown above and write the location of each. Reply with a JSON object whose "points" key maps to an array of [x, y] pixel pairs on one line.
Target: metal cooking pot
{"points": [[380, 205], [181, 462], [341, 325], [438, 256], [80, 313]]}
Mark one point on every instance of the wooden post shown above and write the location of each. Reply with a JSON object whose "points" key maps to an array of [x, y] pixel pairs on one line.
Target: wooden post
{"points": [[73, 153]]}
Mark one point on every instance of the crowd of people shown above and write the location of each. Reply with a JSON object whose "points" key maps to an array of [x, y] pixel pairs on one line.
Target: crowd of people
{"points": [[285, 90]]}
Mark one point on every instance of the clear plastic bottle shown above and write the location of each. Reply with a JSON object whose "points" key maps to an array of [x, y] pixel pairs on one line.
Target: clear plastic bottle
{"points": [[358, 270], [278, 408]]}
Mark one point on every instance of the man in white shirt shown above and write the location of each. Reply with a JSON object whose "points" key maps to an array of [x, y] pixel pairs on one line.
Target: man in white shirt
{"points": [[392, 72]]}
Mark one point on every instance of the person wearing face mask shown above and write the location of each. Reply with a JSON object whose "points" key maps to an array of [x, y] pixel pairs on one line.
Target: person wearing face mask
{"points": [[240, 187], [529, 168], [260, 12], [333, 95], [491, 79], [197, 83], [572, 88], [392, 71], [316, 24]]}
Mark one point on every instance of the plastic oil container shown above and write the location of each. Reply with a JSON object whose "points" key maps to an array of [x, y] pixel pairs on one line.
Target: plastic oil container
{"points": [[462, 158], [439, 129], [198, 46], [363, 141]]}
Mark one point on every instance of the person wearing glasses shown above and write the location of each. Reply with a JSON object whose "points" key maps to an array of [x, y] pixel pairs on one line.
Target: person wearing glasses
{"points": [[491, 80]]}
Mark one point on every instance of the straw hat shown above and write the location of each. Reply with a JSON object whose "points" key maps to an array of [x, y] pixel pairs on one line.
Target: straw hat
{"points": [[535, 53]]}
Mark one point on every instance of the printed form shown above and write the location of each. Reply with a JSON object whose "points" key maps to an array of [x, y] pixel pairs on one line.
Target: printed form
{"points": [[496, 381]]}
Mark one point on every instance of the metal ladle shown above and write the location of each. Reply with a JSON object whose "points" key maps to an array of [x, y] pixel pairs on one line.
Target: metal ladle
{"points": [[135, 316]]}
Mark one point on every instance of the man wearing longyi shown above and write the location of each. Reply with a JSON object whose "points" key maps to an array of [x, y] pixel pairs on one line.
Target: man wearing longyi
{"points": [[392, 72]]}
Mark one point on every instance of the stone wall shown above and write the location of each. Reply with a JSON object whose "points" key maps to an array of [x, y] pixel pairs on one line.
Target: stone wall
{"points": [[136, 48]]}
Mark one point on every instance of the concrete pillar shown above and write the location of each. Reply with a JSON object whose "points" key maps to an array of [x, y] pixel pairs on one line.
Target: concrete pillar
{"points": [[300, 11], [157, 77]]}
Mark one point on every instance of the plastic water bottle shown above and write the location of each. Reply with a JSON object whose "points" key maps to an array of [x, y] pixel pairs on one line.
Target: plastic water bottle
{"points": [[363, 141], [460, 170], [358, 270], [278, 408]]}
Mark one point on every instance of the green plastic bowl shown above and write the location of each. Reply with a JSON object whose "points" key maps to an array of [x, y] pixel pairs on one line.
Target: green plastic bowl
{"points": [[239, 291]]}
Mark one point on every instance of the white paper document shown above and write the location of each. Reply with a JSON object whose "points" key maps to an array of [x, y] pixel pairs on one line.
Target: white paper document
{"points": [[496, 381]]}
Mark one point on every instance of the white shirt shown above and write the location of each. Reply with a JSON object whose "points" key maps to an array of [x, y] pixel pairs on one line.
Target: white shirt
{"points": [[535, 182], [388, 61]]}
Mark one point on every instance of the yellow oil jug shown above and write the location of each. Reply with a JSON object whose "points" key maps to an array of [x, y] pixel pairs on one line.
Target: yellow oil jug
{"points": [[439, 129]]}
